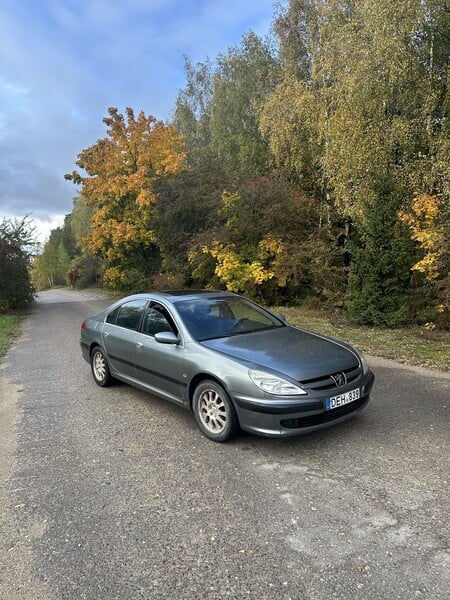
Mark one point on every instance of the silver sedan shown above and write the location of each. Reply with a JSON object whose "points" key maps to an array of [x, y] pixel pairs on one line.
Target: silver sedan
{"points": [[231, 362]]}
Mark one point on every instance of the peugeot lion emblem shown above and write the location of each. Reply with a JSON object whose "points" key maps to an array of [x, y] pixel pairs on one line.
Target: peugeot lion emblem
{"points": [[339, 379]]}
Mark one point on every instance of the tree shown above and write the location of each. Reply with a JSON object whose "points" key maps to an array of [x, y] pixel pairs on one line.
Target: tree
{"points": [[192, 116], [17, 238], [243, 78], [85, 268], [361, 118], [120, 171], [50, 267], [379, 143], [218, 109], [21, 232], [429, 225], [80, 220], [255, 247], [380, 269], [186, 205]]}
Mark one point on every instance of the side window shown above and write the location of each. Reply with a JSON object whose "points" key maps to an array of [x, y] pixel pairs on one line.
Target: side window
{"points": [[111, 318], [157, 319], [129, 314]]}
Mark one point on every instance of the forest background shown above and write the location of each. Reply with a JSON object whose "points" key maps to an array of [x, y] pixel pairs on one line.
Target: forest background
{"points": [[311, 164]]}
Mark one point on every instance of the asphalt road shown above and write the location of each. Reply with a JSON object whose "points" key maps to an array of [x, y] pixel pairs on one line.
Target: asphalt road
{"points": [[114, 494]]}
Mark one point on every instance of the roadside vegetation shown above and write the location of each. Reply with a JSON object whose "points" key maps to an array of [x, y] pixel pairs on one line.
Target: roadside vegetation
{"points": [[9, 329], [17, 243], [16, 246]]}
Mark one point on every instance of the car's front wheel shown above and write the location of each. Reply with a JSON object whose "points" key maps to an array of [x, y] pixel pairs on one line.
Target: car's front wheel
{"points": [[100, 368], [214, 412]]}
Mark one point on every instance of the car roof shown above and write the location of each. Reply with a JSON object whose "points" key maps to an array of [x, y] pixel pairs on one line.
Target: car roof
{"points": [[180, 295]]}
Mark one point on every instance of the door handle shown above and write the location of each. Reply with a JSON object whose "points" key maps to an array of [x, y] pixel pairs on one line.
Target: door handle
{"points": [[106, 334], [139, 344]]}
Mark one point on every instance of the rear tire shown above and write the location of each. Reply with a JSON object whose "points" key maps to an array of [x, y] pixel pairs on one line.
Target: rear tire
{"points": [[100, 368], [214, 412]]}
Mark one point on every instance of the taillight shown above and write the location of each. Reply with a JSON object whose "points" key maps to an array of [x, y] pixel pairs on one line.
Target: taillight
{"points": [[83, 325]]}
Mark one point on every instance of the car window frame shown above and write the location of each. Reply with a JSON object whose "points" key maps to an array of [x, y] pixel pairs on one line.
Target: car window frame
{"points": [[118, 309], [165, 312]]}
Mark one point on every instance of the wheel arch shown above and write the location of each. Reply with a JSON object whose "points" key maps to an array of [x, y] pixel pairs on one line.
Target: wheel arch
{"points": [[92, 347], [96, 344], [198, 378]]}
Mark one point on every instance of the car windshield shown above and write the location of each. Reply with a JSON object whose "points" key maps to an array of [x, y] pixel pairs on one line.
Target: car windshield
{"points": [[209, 318]]}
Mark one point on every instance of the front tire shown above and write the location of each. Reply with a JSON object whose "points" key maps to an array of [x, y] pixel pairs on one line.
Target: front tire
{"points": [[100, 368], [214, 412]]}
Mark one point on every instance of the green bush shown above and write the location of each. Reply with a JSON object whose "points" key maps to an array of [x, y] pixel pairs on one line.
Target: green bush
{"points": [[16, 289]]}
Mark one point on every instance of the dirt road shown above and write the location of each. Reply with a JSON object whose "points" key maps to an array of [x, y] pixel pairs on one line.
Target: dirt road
{"points": [[113, 494]]}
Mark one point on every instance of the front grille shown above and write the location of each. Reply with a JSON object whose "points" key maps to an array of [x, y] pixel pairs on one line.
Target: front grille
{"points": [[325, 382], [324, 417]]}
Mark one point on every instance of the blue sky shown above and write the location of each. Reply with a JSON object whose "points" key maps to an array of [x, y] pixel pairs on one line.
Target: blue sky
{"points": [[64, 62]]}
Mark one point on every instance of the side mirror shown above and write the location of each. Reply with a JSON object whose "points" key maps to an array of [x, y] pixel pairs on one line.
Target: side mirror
{"points": [[282, 318], [167, 337]]}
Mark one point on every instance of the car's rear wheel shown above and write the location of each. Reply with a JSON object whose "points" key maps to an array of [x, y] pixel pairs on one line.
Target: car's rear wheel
{"points": [[100, 368], [214, 412]]}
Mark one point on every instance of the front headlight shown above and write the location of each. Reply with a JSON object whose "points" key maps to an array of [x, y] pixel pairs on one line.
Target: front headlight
{"points": [[364, 364], [275, 385]]}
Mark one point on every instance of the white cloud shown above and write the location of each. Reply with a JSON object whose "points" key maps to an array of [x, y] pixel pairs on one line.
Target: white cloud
{"points": [[8, 88], [43, 228], [62, 64]]}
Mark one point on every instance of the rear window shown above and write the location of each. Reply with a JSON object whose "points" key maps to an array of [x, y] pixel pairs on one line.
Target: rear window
{"points": [[127, 315]]}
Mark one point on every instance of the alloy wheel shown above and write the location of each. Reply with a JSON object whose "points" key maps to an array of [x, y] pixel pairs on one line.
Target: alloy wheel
{"points": [[212, 411]]}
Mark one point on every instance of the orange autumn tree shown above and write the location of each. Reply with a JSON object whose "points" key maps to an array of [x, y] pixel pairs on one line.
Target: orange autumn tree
{"points": [[120, 170]]}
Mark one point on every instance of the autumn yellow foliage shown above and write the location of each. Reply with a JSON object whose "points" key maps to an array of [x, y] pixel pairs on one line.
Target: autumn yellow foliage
{"points": [[233, 270], [429, 227], [424, 222]]}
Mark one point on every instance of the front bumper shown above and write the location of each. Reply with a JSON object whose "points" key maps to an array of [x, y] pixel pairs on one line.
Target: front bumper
{"points": [[281, 417]]}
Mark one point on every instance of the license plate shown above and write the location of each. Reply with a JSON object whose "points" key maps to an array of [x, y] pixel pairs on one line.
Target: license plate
{"points": [[346, 398]]}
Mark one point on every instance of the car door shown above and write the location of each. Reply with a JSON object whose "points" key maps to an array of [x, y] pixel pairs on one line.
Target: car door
{"points": [[158, 366], [119, 336]]}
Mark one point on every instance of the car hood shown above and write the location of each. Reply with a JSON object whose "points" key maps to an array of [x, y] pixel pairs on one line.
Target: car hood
{"points": [[296, 353]]}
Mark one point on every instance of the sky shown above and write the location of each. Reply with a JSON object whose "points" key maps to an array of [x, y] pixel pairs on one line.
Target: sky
{"points": [[64, 62]]}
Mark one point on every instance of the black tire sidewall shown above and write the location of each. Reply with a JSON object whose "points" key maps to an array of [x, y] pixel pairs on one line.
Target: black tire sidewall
{"points": [[106, 381], [232, 425]]}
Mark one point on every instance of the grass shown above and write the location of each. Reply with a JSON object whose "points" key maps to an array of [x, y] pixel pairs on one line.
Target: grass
{"points": [[102, 292], [412, 345], [9, 329]]}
